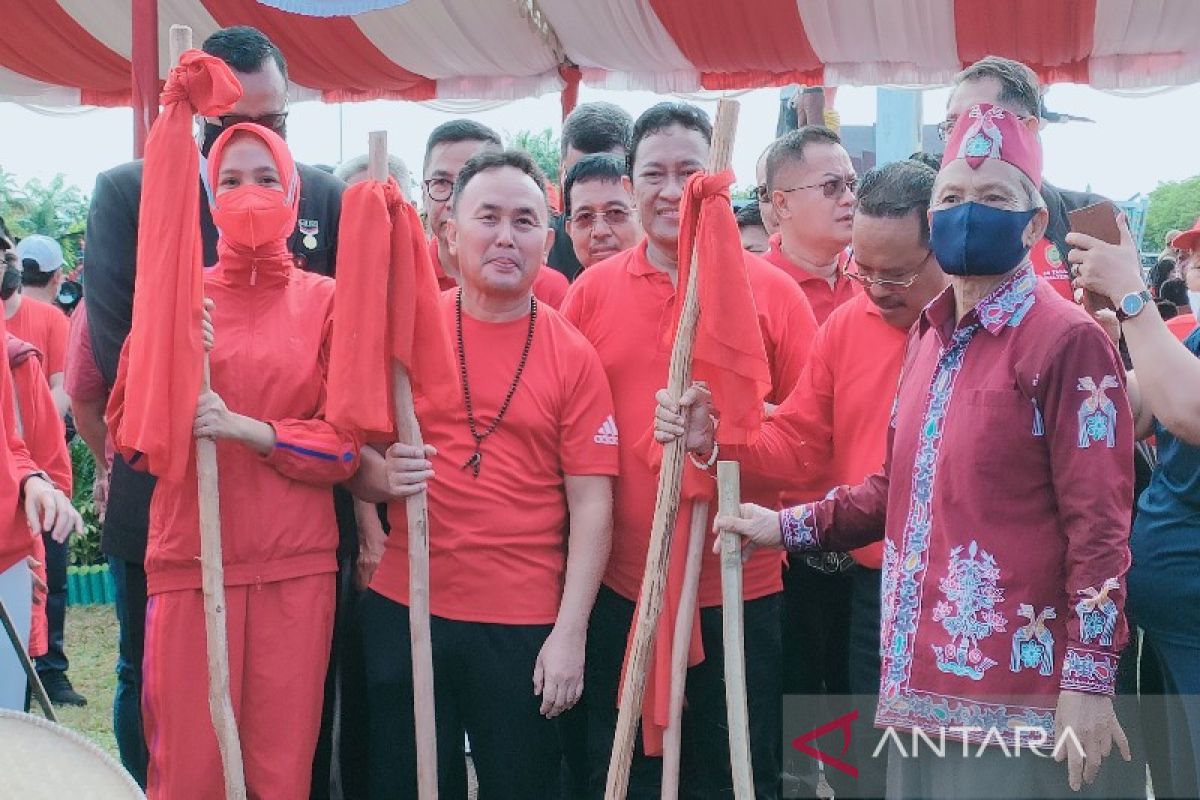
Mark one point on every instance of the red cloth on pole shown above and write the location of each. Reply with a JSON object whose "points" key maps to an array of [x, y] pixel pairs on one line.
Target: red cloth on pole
{"points": [[729, 353], [385, 308], [165, 349], [730, 356]]}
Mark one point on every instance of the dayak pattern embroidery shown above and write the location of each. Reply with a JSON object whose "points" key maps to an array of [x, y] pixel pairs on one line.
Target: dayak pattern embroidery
{"points": [[1097, 413], [796, 525], [970, 616], [1033, 644], [1088, 671], [1098, 613], [897, 650]]}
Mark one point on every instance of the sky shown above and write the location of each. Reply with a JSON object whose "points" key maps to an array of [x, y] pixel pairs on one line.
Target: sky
{"points": [[1133, 145]]}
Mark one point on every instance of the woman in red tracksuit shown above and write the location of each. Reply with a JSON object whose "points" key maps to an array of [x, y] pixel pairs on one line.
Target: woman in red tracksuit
{"points": [[277, 459]]}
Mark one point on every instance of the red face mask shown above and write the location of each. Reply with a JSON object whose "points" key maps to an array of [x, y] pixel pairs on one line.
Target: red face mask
{"points": [[253, 216]]}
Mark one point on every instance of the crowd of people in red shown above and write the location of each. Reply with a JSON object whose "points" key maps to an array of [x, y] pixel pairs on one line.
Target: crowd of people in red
{"points": [[938, 503]]}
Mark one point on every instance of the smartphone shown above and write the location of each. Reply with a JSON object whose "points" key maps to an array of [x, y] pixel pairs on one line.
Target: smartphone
{"points": [[1098, 220]]}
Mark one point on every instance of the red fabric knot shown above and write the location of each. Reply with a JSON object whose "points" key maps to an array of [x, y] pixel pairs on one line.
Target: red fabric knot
{"points": [[387, 287], [203, 81]]}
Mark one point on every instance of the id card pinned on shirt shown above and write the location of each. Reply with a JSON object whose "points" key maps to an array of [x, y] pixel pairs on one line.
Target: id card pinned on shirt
{"points": [[309, 228]]}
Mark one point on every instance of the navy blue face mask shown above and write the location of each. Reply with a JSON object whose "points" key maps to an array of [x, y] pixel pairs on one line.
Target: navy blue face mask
{"points": [[975, 239]]}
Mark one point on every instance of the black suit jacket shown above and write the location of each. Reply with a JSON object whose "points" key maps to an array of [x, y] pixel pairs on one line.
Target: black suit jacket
{"points": [[110, 266]]}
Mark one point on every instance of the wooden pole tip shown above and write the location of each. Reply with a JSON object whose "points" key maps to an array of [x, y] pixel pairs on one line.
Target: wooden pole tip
{"points": [[377, 155]]}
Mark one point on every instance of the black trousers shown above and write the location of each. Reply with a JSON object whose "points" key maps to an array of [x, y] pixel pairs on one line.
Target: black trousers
{"points": [[483, 686], [704, 761], [816, 624]]}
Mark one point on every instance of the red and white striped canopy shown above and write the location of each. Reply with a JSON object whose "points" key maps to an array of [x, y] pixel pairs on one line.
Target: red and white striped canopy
{"points": [[70, 52]]}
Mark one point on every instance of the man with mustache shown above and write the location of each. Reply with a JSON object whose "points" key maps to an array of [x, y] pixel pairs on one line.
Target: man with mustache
{"points": [[599, 208]]}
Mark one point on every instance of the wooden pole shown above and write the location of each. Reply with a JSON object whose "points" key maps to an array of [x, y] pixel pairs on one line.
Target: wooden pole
{"points": [[729, 498], [667, 505], [416, 507], [682, 642], [35, 683], [212, 570]]}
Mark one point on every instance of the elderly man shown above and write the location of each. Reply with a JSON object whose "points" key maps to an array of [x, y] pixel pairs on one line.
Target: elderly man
{"points": [[353, 170], [770, 222], [1005, 494], [598, 204], [838, 414], [1014, 86], [620, 305], [527, 455]]}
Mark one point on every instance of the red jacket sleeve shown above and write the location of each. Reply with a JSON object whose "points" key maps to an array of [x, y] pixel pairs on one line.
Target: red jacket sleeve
{"points": [[1089, 435], [312, 450], [42, 428]]}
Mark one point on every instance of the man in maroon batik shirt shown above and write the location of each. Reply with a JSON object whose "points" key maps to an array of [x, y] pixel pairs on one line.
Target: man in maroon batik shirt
{"points": [[1006, 496]]}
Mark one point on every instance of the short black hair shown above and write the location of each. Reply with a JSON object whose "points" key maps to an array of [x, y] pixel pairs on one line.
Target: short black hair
{"points": [[244, 49], [1019, 84], [32, 275], [597, 128], [459, 130], [750, 215], [790, 147], [596, 167], [934, 162], [1174, 290], [498, 159], [1162, 270], [663, 115], [896, 190]]}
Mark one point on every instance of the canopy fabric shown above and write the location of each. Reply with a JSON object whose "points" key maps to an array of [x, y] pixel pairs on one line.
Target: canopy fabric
{"points": [[73, 52]]}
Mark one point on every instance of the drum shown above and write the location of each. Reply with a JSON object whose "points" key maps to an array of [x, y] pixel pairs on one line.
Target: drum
{"points": [[40, 760]]}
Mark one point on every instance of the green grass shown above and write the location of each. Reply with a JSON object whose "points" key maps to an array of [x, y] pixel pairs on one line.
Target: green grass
{"points": [[92, 648]]}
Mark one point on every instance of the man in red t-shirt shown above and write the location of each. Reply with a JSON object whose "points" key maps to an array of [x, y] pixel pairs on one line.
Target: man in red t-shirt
{"points": [[519, 479], [449, 147], [624, 306], [839, 412], [811, 184]]}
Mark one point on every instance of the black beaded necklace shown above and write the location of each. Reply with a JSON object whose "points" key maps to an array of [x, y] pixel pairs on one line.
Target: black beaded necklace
{"points": [[476, 459]]}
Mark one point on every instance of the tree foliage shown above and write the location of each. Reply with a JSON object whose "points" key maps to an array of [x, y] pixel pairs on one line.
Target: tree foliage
{"points": [[544, 147], [1173, 206], [56, 209]]}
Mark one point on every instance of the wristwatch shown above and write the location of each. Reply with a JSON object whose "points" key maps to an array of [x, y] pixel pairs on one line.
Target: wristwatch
{"points": [[1132, 304]]}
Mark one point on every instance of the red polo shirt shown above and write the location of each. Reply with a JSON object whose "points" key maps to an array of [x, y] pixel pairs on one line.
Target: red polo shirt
{"points": [[839, 409], [45, 327], [1182, 325], [821, 296], [625, 308]]}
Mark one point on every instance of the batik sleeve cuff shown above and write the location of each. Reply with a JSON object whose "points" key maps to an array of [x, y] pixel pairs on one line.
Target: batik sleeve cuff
{"points": [[1090, 671], [797, 528]]}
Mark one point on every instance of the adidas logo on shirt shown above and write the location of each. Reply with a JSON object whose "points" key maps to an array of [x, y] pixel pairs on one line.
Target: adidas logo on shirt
{"points": [[607, 433]]}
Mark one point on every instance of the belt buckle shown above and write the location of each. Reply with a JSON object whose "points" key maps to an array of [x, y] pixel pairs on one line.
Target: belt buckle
{"points": [[829, 563]]}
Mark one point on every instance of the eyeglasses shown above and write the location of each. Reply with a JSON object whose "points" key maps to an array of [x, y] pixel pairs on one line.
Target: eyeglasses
{"points": [[870, 281], [946, 126], [612, 218], [439, 189], [275, 122], [834, 187]]}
